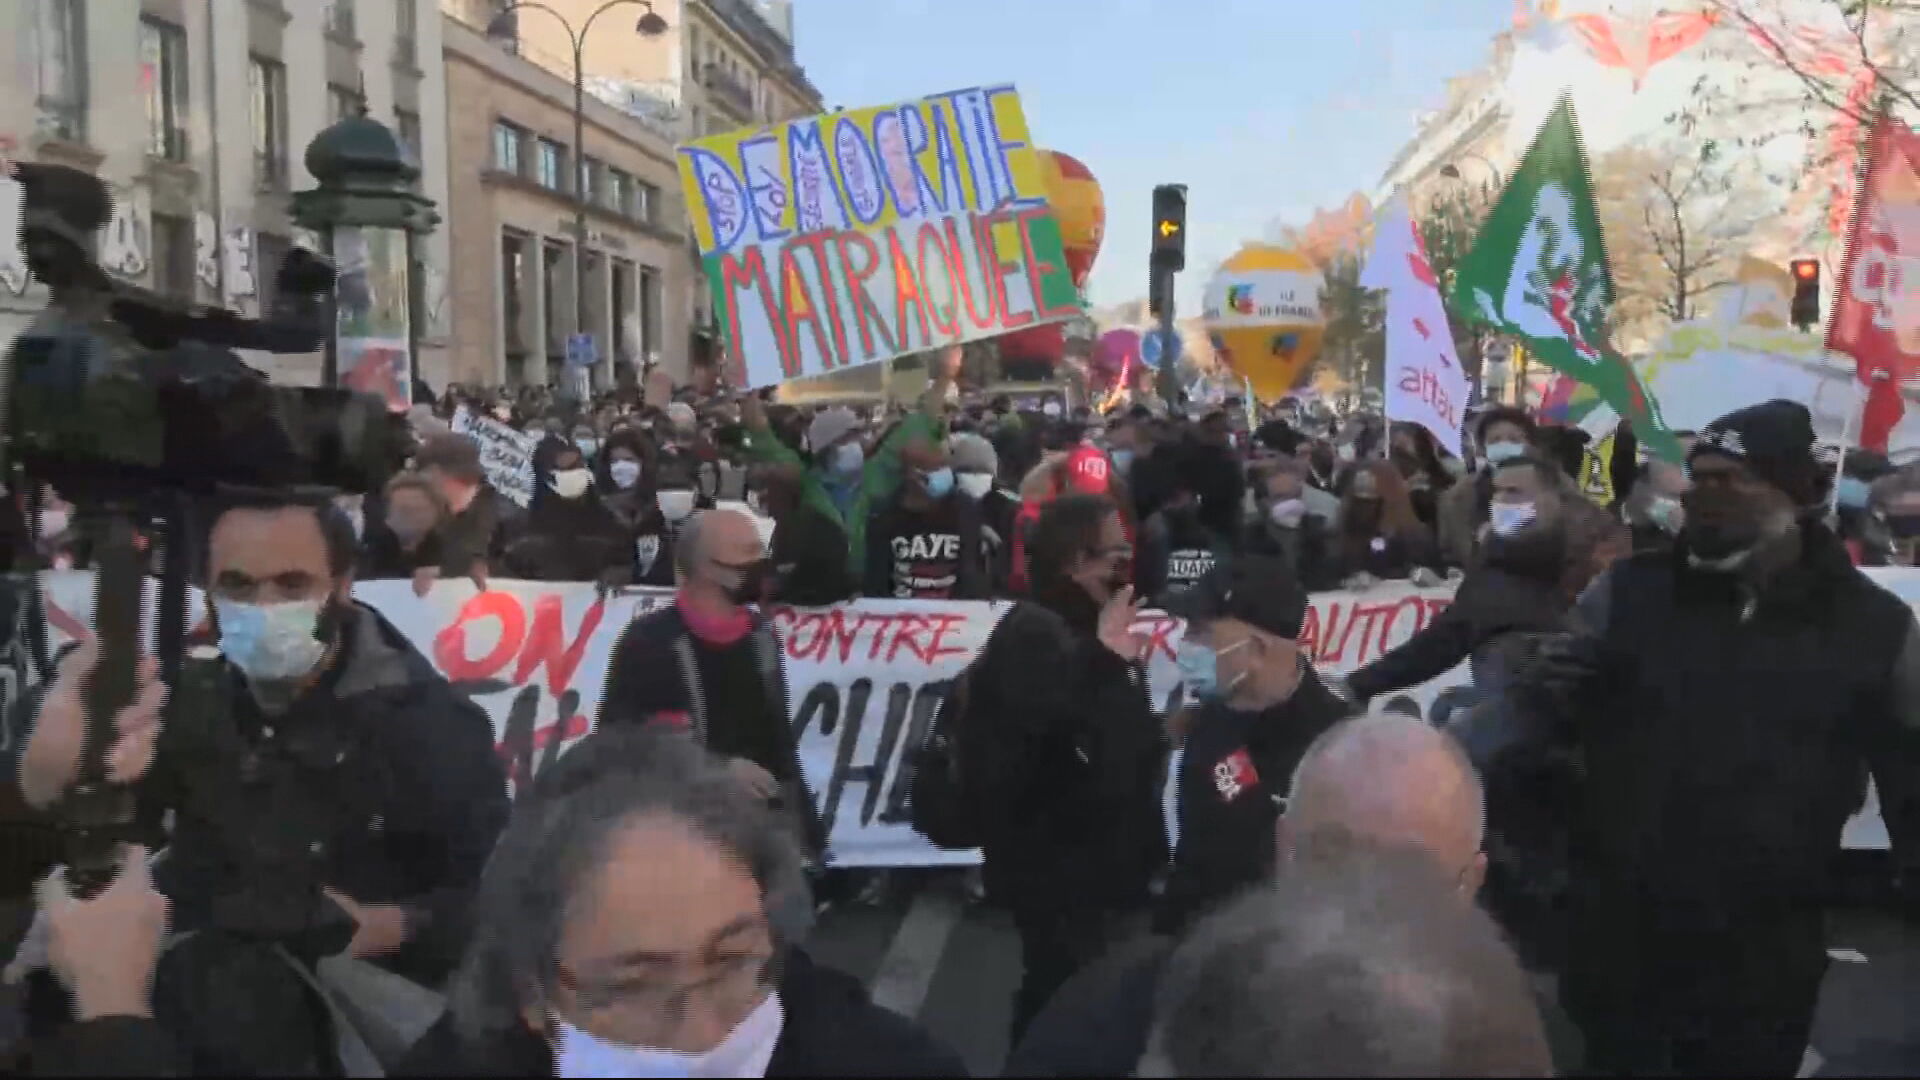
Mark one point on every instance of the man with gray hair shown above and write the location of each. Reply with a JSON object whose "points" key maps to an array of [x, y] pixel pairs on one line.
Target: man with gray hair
{"points": [[1387, 780], [1347, 968]]}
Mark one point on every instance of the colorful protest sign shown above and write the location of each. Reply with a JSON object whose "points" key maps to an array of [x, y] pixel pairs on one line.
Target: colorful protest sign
{"points": [[505, 454], [851, 237], [864, 679], [1425, 384]]}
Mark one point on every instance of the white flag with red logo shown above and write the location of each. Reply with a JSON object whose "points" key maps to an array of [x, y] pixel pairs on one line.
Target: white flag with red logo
{"points": [[1424, 383]]}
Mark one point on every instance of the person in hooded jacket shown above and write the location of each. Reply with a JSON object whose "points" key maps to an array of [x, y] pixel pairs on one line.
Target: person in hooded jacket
{"points": [[1261, 704], [1501, 433], [976, 472], [839, 478], [569, 535], [1182, 543], [928, 542], [1066, 752], [1725, 700]]}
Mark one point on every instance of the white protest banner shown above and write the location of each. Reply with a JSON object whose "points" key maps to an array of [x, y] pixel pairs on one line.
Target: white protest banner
{"points": [[863, 679], [505, 454], [1425, 384], [844, 239]]}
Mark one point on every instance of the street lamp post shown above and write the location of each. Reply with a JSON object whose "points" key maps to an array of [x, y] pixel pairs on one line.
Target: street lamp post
{"points": [[649, 25]]}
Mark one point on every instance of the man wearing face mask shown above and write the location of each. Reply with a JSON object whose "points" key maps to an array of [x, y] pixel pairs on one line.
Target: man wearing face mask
{"points": [[1294, 524], [1726, 700], [710, 664], [1653, 511], [1260, 704], [927, 542], [841, 480], [976, 470], [481, 522], [1502, 433], [331, 721]]}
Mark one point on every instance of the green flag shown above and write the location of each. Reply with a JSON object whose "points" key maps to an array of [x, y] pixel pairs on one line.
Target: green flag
{"points": [[1538, 272]]}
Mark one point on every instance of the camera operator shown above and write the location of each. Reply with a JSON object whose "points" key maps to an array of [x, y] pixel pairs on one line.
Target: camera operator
{"points": [[330, 793]]}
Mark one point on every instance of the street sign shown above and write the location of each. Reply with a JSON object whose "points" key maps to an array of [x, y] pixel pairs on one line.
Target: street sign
{"points": [[580, 350], [1153, 344]]}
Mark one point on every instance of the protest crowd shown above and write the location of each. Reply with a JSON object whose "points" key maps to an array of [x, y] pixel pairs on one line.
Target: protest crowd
{"points": [[342, 884]]}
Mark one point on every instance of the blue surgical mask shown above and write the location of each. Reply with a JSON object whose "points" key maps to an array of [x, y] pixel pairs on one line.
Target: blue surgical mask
{"points": [[1122, 461], [588, 447], [1200, 670], [271, 642], [938, 482], [848, 458], [1509, 518], [1853, 492], [1504, 451]]}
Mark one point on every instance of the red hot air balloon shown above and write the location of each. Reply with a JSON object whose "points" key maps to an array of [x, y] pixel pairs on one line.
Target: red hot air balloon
{"points": [[1080, 208]]}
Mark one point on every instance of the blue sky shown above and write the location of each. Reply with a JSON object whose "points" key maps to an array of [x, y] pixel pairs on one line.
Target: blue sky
{"points": [[1266, 109]]}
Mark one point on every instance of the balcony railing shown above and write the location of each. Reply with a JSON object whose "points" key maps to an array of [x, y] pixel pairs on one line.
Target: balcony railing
{"points": [[731, 92]]}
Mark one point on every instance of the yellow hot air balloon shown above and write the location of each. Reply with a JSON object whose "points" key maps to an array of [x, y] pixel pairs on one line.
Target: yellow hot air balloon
{"points": [[1262, 313]]}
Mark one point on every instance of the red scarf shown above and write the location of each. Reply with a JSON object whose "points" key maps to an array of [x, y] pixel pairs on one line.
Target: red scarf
{"points": [[717, 630]]}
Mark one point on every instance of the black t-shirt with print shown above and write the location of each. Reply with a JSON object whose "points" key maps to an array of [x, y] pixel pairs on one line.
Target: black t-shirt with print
{"points": [[922, 554]]}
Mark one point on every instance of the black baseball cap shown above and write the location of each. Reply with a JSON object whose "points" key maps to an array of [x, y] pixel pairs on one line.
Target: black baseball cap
{"points": [[1261, 592]]}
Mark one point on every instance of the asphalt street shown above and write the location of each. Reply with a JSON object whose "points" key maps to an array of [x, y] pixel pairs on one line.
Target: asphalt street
{"points": [[925, 950]]}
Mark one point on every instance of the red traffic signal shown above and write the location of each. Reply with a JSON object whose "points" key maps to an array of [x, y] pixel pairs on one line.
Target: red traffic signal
{"points": [[1805, 310]]}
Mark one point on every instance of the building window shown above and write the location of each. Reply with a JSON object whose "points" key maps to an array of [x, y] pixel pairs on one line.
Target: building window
{"points": [[591, 189], [620, 191], [621, 287], [513, 294], [550, 165], [60, 27], [339, 19], [406, 124], [506, 147], [341, 102], [646, 201], [163, 78], [650, 299], [267, 86], [270, 251], [406, 31], [173, 257], [554, 259]]}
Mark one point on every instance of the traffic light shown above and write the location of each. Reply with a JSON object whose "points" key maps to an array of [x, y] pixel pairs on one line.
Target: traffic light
{"points": [[1806, 293], [1170, 227]]}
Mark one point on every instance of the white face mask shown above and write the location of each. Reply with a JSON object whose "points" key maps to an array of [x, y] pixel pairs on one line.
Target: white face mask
{"points": [[1509, 518], [675, 505], [271, 642], [53, 523], [974, 485], [1051, 409], [848, 458], [625, 473], [1346, 452], [1288, 513], [745, 1051], [571, 483]]}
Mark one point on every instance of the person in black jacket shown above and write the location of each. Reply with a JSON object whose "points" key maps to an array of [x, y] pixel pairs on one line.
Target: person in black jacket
{"points": [[1261, 704], [1067, 752], [1726, 701], [330, 721], [710, 664], [1287, 528], [928, 541], [1514, 589], [1380, 538], [809, 558], [626, 927], [482, 521], [1189, 536], [569, 534]]}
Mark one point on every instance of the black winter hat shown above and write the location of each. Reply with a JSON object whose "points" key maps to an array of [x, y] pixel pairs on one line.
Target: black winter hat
{"points": [[1775, 440]]}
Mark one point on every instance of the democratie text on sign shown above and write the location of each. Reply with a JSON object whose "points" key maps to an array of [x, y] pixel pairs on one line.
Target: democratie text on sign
{"points": [[844, 239]]}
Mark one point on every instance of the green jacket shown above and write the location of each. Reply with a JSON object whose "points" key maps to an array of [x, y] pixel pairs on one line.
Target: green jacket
{"points": [[879, 478]]}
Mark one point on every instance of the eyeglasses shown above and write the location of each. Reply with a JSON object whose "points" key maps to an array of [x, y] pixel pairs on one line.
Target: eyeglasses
{"points": [[646, 1006]]}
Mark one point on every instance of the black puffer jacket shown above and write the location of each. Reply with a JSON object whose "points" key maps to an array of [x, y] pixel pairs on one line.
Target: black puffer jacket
{"points": [[1070, 757], [1516, 589], [1724, 733]]}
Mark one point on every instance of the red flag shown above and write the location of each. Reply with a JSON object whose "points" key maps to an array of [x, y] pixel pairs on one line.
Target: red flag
{"points": [[1876, 307]]}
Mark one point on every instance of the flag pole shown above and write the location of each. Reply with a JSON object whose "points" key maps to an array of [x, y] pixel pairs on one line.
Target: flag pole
{"points": [[1848, 434]]}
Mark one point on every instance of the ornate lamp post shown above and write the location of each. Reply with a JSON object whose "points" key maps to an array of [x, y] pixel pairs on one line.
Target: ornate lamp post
{"points": [[649, 25], [369, 219]]}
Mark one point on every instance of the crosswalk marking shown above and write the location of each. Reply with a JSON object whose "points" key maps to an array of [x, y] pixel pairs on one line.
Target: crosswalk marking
{"points": [[907, 969]]}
